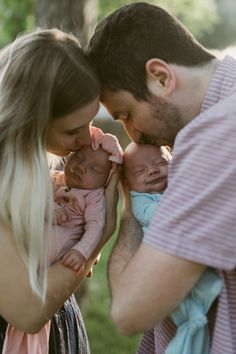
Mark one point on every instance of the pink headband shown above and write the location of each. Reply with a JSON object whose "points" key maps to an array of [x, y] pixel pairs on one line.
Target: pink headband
{"points": [[109, 143]]}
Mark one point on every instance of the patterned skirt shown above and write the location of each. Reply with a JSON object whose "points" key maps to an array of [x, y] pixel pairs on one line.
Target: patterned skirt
{"points": [[67, 334]]}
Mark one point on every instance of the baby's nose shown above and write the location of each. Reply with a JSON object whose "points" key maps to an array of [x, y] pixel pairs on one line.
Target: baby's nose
{"points": [[153, 171]]}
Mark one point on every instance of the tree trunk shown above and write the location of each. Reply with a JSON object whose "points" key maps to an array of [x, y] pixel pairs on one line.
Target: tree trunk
{"points": [[72, 16]]}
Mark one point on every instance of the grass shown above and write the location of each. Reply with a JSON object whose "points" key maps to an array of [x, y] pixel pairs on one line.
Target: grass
{"points": [[103, 336]]}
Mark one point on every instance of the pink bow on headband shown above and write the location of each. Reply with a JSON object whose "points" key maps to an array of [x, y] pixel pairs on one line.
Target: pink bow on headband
{"points": [[109, 143]]}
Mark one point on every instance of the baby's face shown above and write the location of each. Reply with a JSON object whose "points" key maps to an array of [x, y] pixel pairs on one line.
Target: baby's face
{"points": [[87, 169], [145, 169]]}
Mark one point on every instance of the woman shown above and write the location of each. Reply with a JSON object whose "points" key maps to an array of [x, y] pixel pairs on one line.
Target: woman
{"points": [[48, 98]]}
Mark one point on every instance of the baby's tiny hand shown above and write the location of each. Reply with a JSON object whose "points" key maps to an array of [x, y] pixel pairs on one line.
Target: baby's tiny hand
{"points": [[75, 260], [60, 217]]}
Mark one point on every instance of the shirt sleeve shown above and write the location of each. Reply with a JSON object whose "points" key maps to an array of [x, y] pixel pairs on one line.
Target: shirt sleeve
{"points": [[196, 218], [94, 222]]}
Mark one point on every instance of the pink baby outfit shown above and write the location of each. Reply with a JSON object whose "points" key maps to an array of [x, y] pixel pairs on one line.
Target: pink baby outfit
{"points": [[87, 212]]}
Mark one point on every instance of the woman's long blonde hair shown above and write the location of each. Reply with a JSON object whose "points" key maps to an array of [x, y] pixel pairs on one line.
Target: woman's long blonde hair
{"points": [[43, 76]]}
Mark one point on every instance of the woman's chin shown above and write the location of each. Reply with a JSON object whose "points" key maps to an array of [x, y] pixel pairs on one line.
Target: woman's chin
{"points": [[60, 153]]}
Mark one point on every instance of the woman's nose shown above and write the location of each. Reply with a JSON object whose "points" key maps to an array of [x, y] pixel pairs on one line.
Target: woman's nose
{"points": [[87, 136], [85, 139]]}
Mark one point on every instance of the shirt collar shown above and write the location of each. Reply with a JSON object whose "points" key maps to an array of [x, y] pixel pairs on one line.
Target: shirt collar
{"points": [[222, 83]]}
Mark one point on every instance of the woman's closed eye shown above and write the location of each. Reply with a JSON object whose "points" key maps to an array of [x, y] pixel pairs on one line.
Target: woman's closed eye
{"points": [[73, 132]]}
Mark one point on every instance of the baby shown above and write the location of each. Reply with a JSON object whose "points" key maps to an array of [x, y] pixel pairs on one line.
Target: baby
{"points": [[145, 171], [80, 201]]}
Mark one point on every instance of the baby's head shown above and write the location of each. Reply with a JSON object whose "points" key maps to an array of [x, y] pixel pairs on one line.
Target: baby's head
{"points": [[91, 166], [146, 167], [87, 169]]}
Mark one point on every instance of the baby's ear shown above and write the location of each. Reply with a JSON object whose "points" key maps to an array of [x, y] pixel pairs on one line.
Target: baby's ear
{"points": [[167, 148], [166, 153]]}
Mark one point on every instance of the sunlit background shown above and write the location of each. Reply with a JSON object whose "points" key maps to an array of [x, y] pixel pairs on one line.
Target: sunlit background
{"points": [[211, 21]]}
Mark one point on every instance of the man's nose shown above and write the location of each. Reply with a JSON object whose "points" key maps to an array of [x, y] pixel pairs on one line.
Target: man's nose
{"points": [[133, 133]]}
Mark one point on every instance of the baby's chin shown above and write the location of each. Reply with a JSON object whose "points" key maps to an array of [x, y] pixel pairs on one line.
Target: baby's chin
{"points": [[150, 190], [74, 184], [158, 188], [155, 192]]}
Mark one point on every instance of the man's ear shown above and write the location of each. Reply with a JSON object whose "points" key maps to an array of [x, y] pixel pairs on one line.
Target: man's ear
{"points": [[161, 78]]}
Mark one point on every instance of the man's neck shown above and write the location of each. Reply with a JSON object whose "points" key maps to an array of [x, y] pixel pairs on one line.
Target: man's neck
{"points": [[192, 86]]}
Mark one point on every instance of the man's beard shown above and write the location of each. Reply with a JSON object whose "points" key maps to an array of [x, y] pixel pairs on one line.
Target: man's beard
{"points": [[171, 121]]}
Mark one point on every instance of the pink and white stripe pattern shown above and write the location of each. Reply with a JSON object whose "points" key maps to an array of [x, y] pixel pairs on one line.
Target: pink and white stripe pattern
{"points": [[196, 218]]}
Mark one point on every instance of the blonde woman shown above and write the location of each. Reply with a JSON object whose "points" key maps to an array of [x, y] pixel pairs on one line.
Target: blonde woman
{"points": [[48, 98]]}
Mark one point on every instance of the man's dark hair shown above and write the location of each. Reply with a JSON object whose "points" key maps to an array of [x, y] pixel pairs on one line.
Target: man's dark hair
{"points": [[125, 40]]}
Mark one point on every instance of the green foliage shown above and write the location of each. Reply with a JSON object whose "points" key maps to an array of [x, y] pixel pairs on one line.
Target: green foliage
{"points": [[199, 17], [15, 17]]}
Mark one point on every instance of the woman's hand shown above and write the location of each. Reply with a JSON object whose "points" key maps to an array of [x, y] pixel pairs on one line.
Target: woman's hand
{"points": [[112, 196], [126, 199]]}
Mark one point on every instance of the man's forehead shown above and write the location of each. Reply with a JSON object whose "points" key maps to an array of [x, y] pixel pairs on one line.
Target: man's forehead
{"points": [[118, 97]]}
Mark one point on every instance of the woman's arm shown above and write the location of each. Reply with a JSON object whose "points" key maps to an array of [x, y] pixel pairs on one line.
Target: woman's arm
{"points": [[18, 304]]}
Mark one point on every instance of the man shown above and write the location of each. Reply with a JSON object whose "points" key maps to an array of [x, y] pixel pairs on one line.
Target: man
{"points": [[169, 90]]}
